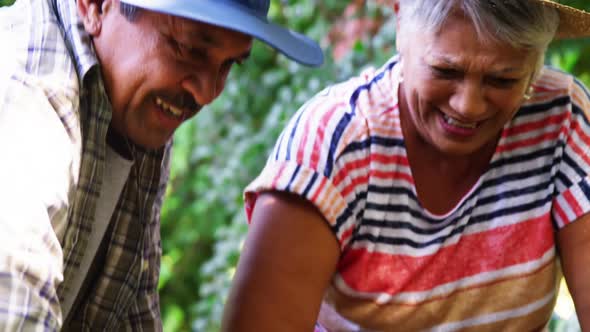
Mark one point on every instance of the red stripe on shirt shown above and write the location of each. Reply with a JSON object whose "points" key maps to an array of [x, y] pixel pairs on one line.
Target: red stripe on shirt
{"points": [[319, 191], [349, 167], [390, 159], [550, 136], [573, 203], [536, 125], [319, 139], [527, 241], [360, 180], [560, 213], [386, 175], [303, 143], [579, 152], [277, 177], [574, 142], [346, 235], [364, 163], [540, 88]]}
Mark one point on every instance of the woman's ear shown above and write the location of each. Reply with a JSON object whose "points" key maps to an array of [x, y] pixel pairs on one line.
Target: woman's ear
{"points": [[91, 12]]}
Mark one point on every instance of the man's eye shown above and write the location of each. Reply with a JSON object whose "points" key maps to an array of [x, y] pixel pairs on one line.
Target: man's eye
{"points": [[238, 62], [185, 51], [174, 45], [180, 48], [184, 48], [229, 63]]}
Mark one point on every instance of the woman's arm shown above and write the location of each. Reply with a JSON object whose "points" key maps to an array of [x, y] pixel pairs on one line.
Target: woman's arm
{"points": [[574, 248], [287, 263]]}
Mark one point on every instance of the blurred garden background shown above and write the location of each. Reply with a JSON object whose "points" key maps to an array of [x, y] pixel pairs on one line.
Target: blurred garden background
{"points": [[218, 153]]}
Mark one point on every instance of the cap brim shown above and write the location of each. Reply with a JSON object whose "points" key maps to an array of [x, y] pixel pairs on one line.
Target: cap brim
{"points": [[232, 16]]}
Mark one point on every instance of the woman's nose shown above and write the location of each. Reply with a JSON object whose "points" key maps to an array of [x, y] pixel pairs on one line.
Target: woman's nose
{"points": [[468, 100]]}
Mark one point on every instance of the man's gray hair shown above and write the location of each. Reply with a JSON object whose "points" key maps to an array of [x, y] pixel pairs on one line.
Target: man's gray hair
{"points": [[520, 23]]}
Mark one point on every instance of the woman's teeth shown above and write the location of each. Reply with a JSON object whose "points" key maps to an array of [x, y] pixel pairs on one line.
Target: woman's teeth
{"points": [[170, 109], [456, 123]]}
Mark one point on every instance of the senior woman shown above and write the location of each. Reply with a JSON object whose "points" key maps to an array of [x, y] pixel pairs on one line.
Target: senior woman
{"points": [[447, 190]]}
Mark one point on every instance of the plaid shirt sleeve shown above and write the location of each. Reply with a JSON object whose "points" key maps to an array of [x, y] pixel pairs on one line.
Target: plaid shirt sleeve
{"points": [[36, 177]]}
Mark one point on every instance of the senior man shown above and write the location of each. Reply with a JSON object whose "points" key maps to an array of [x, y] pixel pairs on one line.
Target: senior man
{"points": [[91, 93]]}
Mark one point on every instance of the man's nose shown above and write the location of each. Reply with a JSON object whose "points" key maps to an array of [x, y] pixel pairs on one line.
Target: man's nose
{"points": [[204, 87], [468, 100]]}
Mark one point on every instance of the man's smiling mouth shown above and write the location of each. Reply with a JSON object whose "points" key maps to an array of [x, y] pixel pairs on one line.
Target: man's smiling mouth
{"points": [[169, 108]]}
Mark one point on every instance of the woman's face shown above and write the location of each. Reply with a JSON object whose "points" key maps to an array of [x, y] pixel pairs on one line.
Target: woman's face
{"points": [[459, 91]]}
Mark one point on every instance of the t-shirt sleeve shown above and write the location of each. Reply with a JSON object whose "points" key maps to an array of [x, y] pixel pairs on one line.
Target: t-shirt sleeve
{"points": [[572, 199], [320, 156]]}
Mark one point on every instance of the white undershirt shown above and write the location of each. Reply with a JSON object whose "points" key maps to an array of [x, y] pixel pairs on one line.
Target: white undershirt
{"points": [[116, 173]]}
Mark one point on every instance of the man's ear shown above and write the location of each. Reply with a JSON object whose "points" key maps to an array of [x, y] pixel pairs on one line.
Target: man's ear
{"points": [[92, 12]]}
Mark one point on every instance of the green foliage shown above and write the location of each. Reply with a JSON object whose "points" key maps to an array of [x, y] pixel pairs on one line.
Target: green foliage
{"points": [[572, 55]]}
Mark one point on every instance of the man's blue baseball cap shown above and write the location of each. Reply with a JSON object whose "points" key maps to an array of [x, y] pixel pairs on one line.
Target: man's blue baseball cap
{"points": [[246, 16]]}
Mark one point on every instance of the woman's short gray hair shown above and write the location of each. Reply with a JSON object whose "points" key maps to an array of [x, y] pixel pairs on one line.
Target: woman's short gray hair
{"points": [[519, 23]]}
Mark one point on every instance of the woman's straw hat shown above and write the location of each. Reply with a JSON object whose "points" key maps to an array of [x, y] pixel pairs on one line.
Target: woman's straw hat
{"points": [[573, 22]]}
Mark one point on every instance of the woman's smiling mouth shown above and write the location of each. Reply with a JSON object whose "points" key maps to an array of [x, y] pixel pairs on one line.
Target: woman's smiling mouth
{"points": [[458, 128], [454, 122]]}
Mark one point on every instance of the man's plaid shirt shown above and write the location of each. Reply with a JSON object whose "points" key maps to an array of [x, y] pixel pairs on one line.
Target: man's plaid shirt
{"points": [[54, 116]]}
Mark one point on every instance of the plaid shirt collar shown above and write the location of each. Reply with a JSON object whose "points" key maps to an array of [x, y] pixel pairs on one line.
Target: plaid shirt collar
{"points": [[77, 39]]}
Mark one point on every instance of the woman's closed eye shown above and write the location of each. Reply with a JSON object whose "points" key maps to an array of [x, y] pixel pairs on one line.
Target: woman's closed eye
{"points": [[446, 73], [495, 81], [502, 82]]}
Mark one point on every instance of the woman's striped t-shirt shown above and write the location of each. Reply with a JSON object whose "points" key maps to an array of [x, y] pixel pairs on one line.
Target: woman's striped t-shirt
{"points": [[490, 263]]}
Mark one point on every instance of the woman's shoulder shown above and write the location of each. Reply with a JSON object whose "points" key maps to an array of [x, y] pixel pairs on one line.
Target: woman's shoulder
{"points": [[558, 83], [373, 91], [554, 87]]}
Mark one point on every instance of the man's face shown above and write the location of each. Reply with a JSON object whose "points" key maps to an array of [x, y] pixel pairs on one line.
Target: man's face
{"points": [[159, 70]]}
